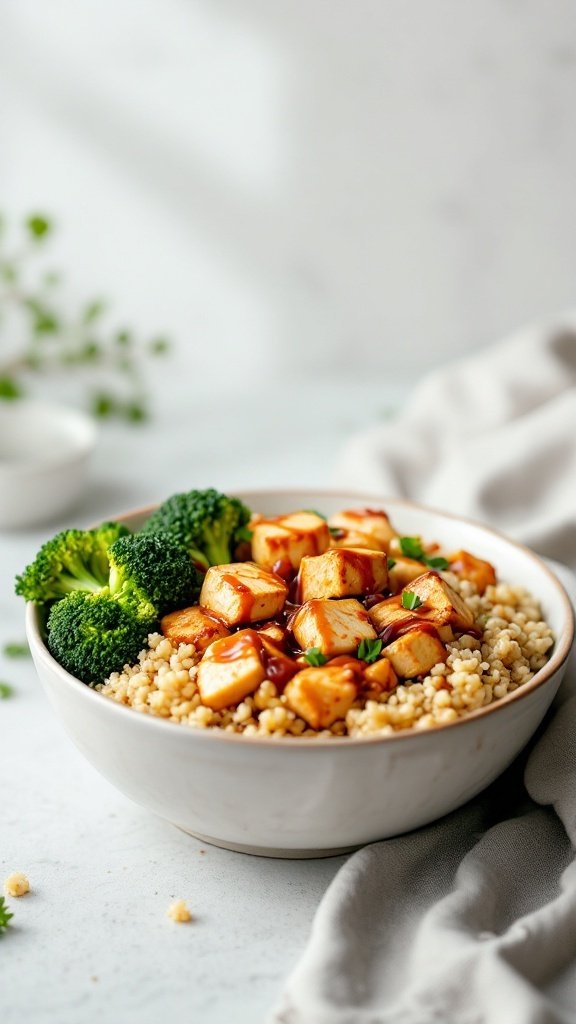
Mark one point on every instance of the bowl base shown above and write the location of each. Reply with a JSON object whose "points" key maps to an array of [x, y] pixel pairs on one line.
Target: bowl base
{"points": [[270, 851]]}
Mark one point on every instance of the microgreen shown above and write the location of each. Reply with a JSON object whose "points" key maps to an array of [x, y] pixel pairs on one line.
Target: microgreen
{"points": [[315, 657], [5, 915], [368, 650], [410, 600]]}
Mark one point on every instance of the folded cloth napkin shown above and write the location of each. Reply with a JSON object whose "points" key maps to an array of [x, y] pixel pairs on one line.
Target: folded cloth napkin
{"points": [[471, 920]]}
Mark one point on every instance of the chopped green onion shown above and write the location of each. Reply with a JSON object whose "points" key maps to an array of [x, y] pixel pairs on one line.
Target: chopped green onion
{"points": [[5, 691], [16, 650], [391, 563]]}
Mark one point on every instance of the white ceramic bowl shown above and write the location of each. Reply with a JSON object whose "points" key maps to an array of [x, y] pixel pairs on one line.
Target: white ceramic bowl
{"points": [[44, 455], [298, 797]]}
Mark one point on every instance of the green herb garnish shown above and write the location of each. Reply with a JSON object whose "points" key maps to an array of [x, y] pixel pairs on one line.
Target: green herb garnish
{"points": [[368, 650], [410, 600], [315, 512], [315, 657], [16, 650], [5, 915], [437, 562], [391, 563], [411, 547], [6, 691]]}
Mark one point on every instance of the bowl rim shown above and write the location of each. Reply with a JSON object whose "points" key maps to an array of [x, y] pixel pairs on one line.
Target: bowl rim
{"points": [[560, 652]]}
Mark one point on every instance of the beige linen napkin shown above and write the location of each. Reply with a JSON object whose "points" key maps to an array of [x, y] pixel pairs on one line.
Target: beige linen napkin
{"points": [[471, 920]]}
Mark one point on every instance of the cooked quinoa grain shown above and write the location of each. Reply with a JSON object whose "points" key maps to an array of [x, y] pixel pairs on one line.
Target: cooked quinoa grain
{"points": [[16, 884], [514, 645], [178, 911]]}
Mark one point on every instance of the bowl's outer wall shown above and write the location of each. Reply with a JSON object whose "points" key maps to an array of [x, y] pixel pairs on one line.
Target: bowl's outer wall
{"points": [[276, 795]]}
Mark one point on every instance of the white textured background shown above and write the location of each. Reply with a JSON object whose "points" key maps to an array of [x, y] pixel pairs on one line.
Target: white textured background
{"points": [[303, 186]]}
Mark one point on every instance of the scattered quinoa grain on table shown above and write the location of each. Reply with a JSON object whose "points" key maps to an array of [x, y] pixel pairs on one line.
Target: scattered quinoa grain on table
{"points": [[178, 911], [16, 884]]}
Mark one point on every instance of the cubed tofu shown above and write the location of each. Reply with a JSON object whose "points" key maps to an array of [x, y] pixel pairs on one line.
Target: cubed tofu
{"points": [[321, 695], [242, 592], [479, 572], [341, 572], [335, 627], [373, 523], [391, 613], [402, 573], [381, 675], [388, 612], [274, 632], [193, 626], [288, 538], [340, 538], [231, 669], [443, 605], [415, 653]]}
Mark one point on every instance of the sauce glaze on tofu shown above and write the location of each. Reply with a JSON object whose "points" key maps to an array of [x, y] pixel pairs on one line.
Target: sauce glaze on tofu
{"points": [[332, 612]]}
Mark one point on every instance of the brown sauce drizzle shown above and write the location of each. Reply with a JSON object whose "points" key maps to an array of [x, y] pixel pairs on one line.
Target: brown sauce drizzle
{"points": [[279, 668], [244, 592], [408, 625]]}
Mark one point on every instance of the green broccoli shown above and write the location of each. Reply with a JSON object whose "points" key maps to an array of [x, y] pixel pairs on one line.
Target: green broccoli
{"points": [[72, 560], [152, 567], [92, 635], [208, 524]]}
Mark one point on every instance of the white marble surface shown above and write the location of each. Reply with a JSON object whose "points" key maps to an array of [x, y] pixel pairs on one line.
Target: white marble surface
{"points": [[92, 942]]}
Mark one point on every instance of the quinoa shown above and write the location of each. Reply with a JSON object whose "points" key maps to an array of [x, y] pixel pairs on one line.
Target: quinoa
{"points": [[515, 643]]}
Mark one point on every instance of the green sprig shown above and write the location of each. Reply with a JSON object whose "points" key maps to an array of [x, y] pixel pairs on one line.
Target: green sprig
{"points": [[57, 339], [5, 915]]}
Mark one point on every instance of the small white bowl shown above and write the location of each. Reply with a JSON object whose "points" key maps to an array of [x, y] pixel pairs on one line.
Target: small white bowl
{"points": [[312, 798], [44, 455]]}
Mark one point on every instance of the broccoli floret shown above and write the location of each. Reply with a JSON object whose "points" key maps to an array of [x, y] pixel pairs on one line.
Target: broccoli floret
{"points": [[92, 635], [208, 524], [152, 567], [72, 560]]}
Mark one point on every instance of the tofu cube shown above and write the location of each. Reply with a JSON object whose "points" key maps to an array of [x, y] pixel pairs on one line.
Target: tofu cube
{"points": [[343, 571], [242, 592], [288, 538], [231, 669], [340, 538], [193, 626], [274, 632], [321, 695], [391, 613], [415, 653], [388, 613], [478, 571], [443, 605], [373, 523], [335, 627], [380, 676], [402, 573]]}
